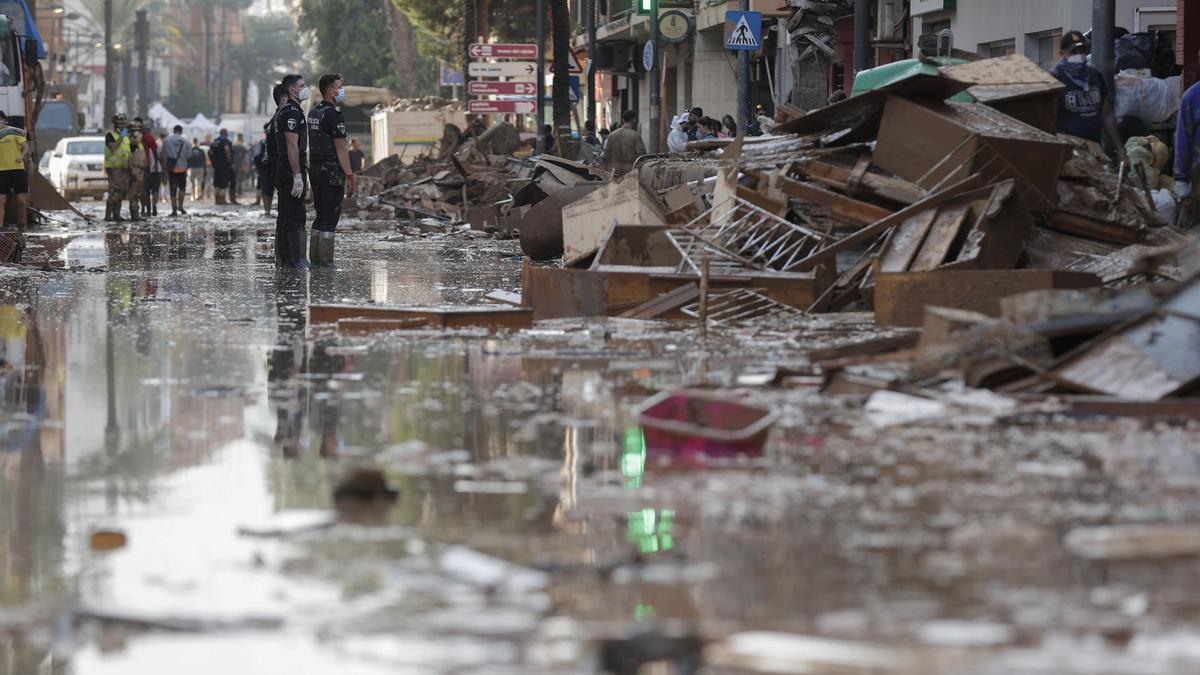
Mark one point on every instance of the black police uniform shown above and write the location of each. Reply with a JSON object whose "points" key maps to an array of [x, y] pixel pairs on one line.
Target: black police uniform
{"points": [[267, 161], [325, 124], [289, 222]]}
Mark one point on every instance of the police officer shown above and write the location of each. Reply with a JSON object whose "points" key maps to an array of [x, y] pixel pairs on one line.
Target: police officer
{"points": [[291, 142], [269, 157], [329, 166], [117, 153]]}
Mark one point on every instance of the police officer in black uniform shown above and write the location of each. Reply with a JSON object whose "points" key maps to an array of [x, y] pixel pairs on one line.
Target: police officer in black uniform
{"points": [[329, 166], [288, 164], [269, 160]]}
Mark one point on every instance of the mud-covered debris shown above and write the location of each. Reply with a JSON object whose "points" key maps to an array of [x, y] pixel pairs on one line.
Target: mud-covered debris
{"points": [[676, 652], [364, 485], [1126, 542]]}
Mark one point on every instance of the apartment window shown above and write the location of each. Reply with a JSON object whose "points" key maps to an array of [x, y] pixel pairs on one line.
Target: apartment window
{"points": [[990, 50], [1043, 47]]}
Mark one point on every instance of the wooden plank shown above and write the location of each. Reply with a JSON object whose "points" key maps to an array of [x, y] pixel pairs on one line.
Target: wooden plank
{"points": [[905, 241], [887, 187], [505, 297], [656, 307], [941, 237], [490, 316], [1093, 228], [901, 297], [842, 207]]}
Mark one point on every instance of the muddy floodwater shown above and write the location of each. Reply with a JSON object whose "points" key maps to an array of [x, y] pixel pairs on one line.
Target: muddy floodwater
{"points": [[174, 429]]}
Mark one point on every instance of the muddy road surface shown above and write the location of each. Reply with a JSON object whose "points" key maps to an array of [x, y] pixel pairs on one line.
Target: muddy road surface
{"points": [[175, 430]]}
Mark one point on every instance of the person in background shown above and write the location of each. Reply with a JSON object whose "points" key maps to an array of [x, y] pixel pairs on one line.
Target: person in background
{"points": [[1085, 106], [604, 134], [162, 176], [116, 165], [548, 136], [358, 159], [589, 133], [197, 170], [1187, 153], [139, 165], [153, 180], [693, 125], [270, 156], [175, 163], [625, 145], [14, 178], [730, 126], [220, 155], [708, 129], [241, 157]]}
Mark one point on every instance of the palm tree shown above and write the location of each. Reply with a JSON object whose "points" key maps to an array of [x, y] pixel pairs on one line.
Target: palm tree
{"points": [[560, 18], [270, 45], [119, 30]]}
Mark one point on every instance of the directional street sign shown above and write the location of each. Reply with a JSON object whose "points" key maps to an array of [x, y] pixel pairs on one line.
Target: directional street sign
{"points": [[482, 88], [481, 50], [743, 30], [509, 69], [502, 107]]}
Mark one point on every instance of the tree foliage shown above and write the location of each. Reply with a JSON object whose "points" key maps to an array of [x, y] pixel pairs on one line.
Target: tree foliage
{"points": [[188, 98], [269, 51], [350, 37]]}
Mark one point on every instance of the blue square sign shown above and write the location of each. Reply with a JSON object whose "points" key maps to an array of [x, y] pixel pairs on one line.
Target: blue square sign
{"points": [[743, 30]]}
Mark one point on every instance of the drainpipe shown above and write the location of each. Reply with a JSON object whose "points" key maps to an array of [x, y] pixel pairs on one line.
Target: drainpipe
{"points": [[1104, 19], [743, 82], [862, 35]]}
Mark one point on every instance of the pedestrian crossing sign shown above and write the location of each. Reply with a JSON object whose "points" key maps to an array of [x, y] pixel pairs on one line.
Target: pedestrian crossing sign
{"points": [[743, 30]]}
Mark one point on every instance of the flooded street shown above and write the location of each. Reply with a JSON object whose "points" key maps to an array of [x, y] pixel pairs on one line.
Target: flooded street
{"points": [[167, 387]]}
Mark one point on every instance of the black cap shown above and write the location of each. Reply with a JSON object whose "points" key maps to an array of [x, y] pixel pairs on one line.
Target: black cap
{"points": [[1073, 40], [3, 116]]}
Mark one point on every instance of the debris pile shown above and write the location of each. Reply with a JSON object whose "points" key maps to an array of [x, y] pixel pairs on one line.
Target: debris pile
{"points": [[942, 201]]}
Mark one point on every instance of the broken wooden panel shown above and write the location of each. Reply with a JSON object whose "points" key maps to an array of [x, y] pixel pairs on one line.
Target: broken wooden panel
{"points": [[935, 143], [870, 184], [1014, 85], [942, 237], [1001, 226], [1060, 313], [637, 246], [901, 297], [542, 227], [840, 206], [902, 246], [942, 322], [586, 221], [1148, 361], [487, 316]]}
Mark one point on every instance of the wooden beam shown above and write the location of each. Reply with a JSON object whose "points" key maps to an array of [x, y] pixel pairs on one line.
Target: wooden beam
{"points": [[842, 207], [886, 187]]}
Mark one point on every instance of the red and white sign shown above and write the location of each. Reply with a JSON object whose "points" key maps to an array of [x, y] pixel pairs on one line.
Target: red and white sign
{"points": [[483, 50], [481, 88], [502, 107], [573, 65]]}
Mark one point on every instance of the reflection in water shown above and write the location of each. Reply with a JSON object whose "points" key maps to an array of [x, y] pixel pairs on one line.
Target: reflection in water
{"points": [[287, 360]]}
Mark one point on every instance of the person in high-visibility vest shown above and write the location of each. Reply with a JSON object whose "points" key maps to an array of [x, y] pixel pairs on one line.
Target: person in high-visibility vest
{"points": [[117, 152]]}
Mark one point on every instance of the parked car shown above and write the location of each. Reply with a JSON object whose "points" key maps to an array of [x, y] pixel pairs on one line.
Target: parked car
{"points": [[77, 167], [44, 164]]}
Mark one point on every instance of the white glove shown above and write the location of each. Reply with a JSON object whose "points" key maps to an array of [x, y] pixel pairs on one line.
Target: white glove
{"points": [[1182, 189], [297, 186]]}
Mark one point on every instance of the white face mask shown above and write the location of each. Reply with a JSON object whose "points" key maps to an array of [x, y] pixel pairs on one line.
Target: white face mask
{"points": [[303, 94], [340, 96], [1077, 58]]}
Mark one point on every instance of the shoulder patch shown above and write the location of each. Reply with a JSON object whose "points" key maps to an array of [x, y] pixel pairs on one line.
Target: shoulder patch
{"points": [[341, 127], [291, 123]]}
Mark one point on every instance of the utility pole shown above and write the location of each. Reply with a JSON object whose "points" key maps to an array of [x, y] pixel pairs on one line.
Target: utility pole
{"points": [[655, 82], [1104, 19], [862, 36], [591, 68], [541, 76], [141, 38], [743, 84], [110, 74]]}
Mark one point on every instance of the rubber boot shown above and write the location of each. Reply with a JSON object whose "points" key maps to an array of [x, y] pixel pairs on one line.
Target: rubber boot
{"points": [[232, 199], [174, 205], [182, 197], [266, 205], [320, 248], [299, 260], [134, 216], [219, 197]]}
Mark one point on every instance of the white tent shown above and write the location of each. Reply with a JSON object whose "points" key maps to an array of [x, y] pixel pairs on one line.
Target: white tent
{"points": [[200, 126], [163, 119]]}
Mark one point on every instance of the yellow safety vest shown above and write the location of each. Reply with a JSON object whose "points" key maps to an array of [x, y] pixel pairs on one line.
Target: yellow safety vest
{"points": [[119, 158]]}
